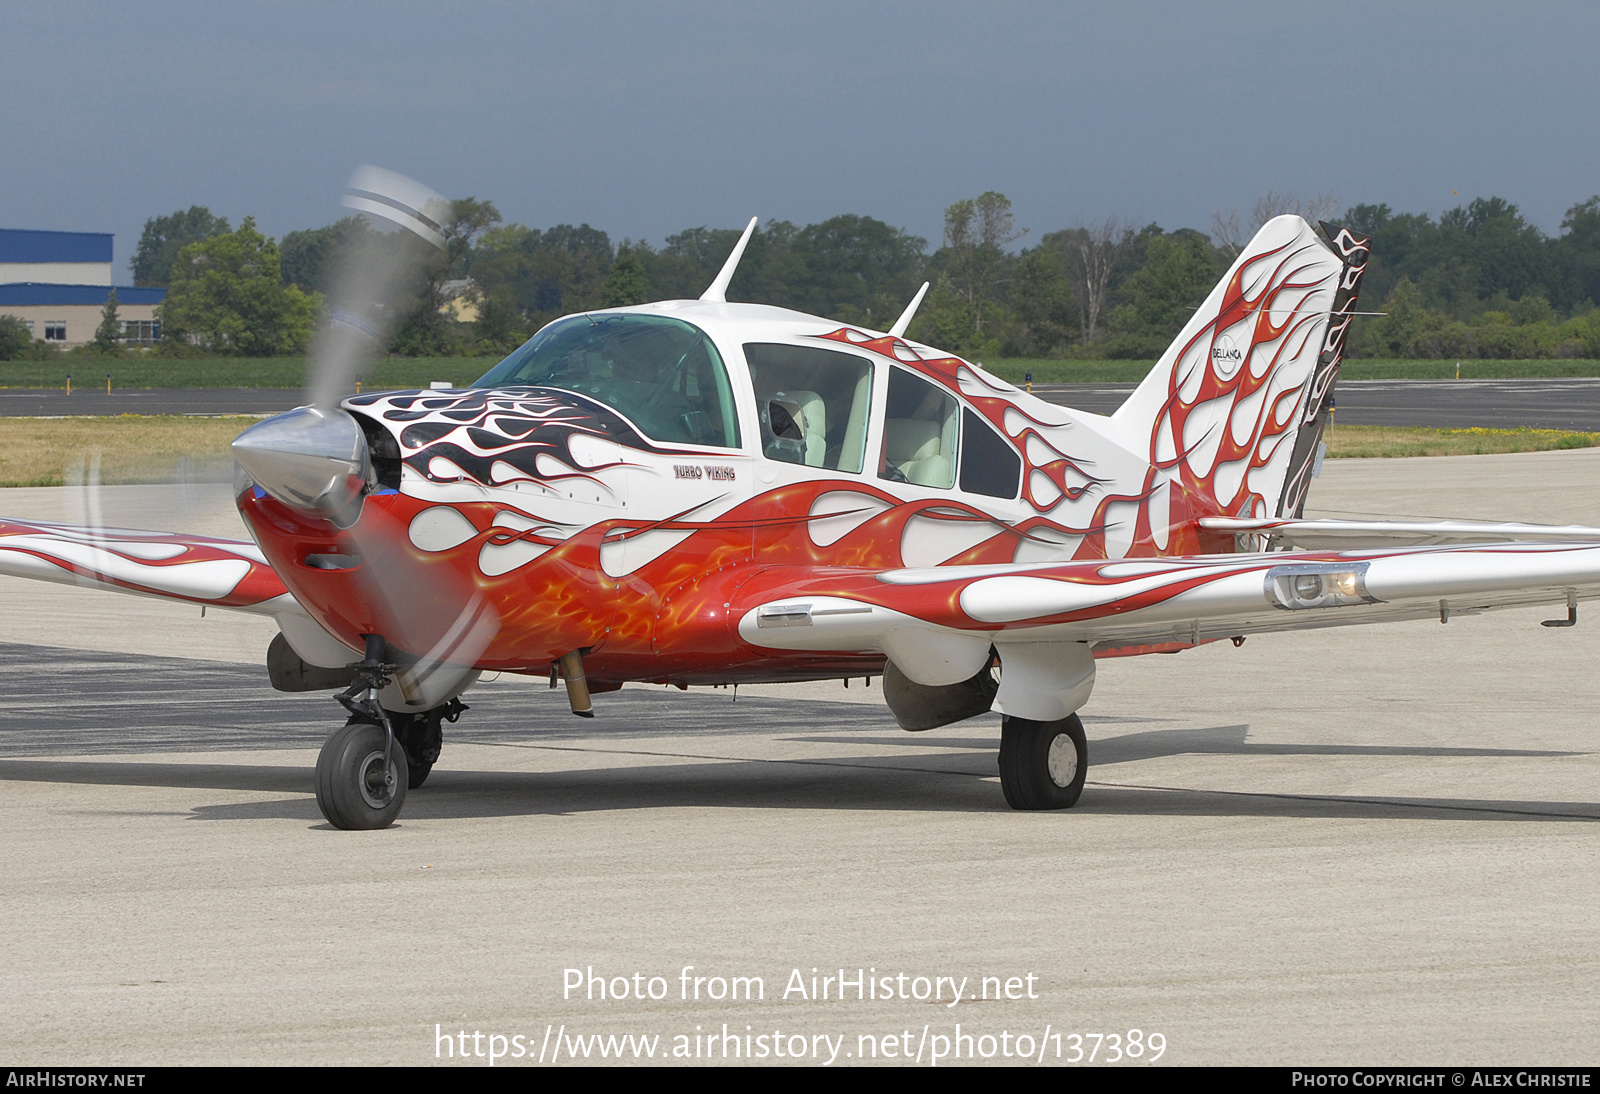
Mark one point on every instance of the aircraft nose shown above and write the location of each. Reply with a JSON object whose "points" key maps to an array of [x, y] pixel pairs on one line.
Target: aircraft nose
{"points": [[310, 459]]}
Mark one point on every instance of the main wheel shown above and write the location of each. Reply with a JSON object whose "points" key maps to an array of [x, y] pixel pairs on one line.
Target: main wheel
{"points": [[355, 789], [420, 736], [1042, 764]]}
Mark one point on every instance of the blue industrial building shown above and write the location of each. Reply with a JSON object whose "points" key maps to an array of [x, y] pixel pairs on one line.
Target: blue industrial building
{"points": [[58, 284]]}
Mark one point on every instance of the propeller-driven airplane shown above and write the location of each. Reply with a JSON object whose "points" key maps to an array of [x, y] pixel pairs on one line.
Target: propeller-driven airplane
{"points": [[700, 492]]}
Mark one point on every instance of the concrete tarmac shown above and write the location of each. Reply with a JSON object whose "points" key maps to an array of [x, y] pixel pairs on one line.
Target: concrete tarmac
{"points": [[1351, 846]]}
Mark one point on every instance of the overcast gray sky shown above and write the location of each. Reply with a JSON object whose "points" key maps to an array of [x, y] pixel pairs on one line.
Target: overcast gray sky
{"points": [[646, 118]]}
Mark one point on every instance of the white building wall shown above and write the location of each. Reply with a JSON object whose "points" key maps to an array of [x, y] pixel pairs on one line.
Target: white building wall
{"points": [[81, 319], [56, 273]]}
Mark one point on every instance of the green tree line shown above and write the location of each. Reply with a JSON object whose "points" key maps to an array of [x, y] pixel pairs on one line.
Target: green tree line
{"points": [[1478, 281]]}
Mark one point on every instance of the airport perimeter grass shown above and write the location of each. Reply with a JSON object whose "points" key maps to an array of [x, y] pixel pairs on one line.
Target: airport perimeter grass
{"points": [[130, 449], [401, 372], [141, 449]]}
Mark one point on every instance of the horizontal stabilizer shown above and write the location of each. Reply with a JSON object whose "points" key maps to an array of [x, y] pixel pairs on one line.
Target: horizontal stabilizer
{"points": [[1313, 535]]}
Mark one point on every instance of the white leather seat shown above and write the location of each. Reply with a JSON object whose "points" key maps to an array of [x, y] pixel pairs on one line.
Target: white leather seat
{"points": [[916, 448], [810, 413]]}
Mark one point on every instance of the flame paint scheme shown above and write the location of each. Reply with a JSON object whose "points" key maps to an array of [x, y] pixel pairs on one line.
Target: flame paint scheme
{"points": [[1153, 529]]}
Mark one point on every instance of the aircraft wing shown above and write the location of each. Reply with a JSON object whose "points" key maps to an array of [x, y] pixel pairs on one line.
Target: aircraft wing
{"points": [[222, 573], [938, 624]]}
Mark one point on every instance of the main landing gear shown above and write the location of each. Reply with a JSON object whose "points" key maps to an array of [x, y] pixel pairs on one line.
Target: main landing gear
{"points": [[1042, 764], [366, 767]]}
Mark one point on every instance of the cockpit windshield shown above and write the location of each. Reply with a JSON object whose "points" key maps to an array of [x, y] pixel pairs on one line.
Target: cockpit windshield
{"points": [[662, 374]]}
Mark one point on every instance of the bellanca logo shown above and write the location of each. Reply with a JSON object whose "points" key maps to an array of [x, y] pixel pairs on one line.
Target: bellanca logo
{"points": [[1224, 352]]}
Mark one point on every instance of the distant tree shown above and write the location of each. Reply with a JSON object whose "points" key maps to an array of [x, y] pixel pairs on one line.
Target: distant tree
{"points": [[108, 335], [1505, 253], [977, 232], [1230, 232], [1179, 270], [15, 338], [227, 296], [687, 262], [310, 258], [165, 236], [853, 268], [426, 330], [539, 275], [1577, 255], [626, 283], [1045, 307], [1092, 256]]}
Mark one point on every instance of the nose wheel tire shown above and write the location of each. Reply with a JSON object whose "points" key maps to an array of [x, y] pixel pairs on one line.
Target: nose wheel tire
{"points": [[1042, 764], [355, 789]]}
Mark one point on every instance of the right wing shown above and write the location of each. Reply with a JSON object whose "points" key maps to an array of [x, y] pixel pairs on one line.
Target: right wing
{"points": [[941, 625]]}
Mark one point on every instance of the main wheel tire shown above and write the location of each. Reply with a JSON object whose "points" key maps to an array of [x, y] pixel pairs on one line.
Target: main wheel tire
{"points": [[1042, 764], [354, 791]]}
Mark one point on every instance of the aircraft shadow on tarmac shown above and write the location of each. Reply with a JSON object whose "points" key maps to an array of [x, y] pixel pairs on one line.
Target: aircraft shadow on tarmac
{"points": [[658, 750], [1220, 740], [950, 782]]}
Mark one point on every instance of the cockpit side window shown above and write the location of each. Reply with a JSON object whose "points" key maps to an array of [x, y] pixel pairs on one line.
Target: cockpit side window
{"points": [[812, 403], [662, 374], [920, 430]]}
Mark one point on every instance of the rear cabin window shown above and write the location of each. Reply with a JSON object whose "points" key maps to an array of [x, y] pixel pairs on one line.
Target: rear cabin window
{"points": [[988, 464], [812, 404]]}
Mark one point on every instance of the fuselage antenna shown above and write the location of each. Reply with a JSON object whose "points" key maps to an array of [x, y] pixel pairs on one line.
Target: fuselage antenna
{"points": [[900, 325], [718, 292]]}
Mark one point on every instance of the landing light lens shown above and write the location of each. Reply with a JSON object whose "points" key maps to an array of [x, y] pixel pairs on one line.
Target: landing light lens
{"points": [[1318, 585]]}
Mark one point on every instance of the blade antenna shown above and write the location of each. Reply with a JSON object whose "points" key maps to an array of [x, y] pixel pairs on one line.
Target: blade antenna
{"points": [[718, 292], [900, 325]]}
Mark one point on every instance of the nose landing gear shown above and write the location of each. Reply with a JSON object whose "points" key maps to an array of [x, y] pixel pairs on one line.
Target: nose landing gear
{"points": [[361, 777], [366, 767]]}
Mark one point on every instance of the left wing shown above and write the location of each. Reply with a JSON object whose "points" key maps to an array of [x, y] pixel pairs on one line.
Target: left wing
{"points": [[224, 573], [939, 625]]}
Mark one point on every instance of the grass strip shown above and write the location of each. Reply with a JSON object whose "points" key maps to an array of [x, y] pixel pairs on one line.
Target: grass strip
{"points": [[130, 448], [1382, 441]]}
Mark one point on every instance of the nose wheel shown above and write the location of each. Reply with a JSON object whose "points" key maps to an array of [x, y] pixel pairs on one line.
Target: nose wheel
{"points": [[1042, 764], [361, 783]]}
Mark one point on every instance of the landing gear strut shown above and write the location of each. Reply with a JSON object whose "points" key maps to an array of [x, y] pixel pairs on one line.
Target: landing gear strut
{"points": [[1042, 764], [361, 771]]}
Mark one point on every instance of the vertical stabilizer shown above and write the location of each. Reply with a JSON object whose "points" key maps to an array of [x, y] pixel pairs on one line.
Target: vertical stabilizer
{"points": [[1219, 418]]}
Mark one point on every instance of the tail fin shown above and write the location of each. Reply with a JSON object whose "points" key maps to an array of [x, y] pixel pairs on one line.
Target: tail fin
{"points": [[1232, 413]]}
